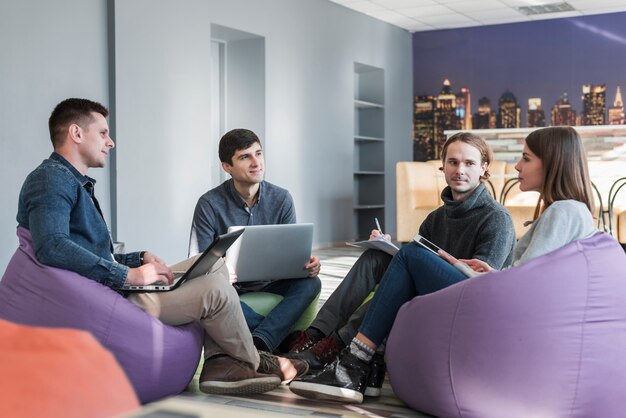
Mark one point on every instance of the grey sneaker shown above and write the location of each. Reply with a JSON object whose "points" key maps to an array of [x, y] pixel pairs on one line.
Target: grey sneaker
{"points": [[225, 375], [285, 369]]}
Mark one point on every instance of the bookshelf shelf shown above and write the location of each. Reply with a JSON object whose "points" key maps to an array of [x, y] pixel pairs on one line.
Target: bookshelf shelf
{"points": [[369, 148], [368, 139]]}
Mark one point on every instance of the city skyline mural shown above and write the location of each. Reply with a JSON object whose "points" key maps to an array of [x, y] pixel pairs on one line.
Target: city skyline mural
{"points": [[545, 73]]}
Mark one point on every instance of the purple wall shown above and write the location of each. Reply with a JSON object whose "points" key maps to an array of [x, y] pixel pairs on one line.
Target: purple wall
{"points": [[537, 59]]}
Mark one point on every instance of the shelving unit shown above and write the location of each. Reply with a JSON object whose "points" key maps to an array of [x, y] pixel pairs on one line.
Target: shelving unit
{"points": [[369, 149]]}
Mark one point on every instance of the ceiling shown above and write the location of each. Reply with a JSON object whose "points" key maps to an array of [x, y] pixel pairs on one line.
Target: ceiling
{"points": [[423, 15]]}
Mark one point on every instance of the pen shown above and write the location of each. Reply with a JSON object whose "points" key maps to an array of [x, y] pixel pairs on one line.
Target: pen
{"points": [[378, 226]]}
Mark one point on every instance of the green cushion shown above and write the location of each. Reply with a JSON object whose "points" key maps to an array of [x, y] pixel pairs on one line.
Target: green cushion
{"points": [[369, 297], [263, 302]]}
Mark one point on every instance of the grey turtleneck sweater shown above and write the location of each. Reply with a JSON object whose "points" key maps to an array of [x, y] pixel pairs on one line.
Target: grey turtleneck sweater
{"points": [[477, 227]]}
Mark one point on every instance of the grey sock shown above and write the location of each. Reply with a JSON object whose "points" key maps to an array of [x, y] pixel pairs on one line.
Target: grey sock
{"points": [[361, 350]]}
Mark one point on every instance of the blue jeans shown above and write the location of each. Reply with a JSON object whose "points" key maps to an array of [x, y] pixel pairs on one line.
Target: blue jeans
{"points": [[297, 296], [413, 271]]}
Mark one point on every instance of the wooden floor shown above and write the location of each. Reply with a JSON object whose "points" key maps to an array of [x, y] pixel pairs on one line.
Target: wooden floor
{"points": [[281, 402], [335, 265], [277, 403]]}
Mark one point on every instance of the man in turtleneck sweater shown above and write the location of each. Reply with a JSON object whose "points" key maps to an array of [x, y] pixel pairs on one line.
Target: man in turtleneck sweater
{"points": [[470, 224]]}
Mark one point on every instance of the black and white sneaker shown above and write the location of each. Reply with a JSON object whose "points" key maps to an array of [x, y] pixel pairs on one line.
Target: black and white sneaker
{"points": [[344, 380], [377, 376]]}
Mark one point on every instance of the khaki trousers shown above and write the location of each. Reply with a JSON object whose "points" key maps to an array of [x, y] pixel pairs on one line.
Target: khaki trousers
{"points": [[213, 302]]}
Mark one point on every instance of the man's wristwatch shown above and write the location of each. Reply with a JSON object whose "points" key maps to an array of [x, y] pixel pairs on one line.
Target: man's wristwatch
{"points": [[141, 254]]}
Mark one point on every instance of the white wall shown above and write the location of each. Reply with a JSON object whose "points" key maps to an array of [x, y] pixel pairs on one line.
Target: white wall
{"points": [[162, 98], [49, 51], [53, 50]]}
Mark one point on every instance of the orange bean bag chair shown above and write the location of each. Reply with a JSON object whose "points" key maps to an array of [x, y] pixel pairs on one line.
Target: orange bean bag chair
{"points": [[56, 372]]}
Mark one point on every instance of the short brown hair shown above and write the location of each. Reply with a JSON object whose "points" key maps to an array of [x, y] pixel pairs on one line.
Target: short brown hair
{"points": [[486, 154], [565, 170], [235, 140], [78, 111]]}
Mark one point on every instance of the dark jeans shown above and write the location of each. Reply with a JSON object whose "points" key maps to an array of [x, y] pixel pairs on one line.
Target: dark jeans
{"points": [[343, 312], [297, 296], [413, 271]]}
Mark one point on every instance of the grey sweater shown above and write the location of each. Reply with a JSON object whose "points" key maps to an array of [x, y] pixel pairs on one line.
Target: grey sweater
{"points": [[477, 227], [562, 222]]}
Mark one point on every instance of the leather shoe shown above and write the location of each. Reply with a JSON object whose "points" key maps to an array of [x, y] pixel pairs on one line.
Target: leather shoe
{"points": [[286, 369], [228, 376]]}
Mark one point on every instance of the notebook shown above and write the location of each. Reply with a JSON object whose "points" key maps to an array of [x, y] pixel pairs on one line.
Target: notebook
{"points": [[270, 252], [193, 267]]}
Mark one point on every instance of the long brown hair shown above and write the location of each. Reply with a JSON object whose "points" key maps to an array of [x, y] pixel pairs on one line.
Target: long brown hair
{"points": [[565, 171]]}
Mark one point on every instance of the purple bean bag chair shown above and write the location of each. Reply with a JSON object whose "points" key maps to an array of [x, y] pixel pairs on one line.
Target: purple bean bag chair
{"points": [[159, 360], [545, 339]]}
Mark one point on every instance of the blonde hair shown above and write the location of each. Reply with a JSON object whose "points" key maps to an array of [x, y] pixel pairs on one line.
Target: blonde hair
{"points": [[565, 170]]}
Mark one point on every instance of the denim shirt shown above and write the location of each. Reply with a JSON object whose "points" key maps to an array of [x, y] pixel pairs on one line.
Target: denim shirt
{"points": [[223, 206], [67, 229]]}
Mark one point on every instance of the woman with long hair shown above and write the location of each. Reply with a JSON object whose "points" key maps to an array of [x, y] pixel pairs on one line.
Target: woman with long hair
{"points": [[554, 164]]}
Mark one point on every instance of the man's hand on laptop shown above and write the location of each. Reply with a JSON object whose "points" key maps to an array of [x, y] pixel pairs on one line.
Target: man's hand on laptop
{"points": [[149, 273], [313, 266]]}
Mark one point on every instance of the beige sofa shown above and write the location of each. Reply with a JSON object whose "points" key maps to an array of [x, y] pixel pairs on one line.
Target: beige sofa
{"points": [[419, 186]]}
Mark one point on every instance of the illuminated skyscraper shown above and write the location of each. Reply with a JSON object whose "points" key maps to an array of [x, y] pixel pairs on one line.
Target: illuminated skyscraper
{"points": [[445, 115], [616, 113], [485, 118], [562, 113], [424, 128], [594, 104], [463, 108], [535, 117], [509, 112]]}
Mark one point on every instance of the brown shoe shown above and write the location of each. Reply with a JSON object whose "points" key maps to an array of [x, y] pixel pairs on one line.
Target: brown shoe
{"points": [[285, 369], [228, 376]]}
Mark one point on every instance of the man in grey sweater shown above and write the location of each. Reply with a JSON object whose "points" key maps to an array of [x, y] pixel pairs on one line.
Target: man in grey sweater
{"points": [[248, 199], [470, 224]]}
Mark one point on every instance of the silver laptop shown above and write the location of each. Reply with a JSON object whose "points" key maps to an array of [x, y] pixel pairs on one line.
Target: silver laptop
{"points": [[193, 267], [270, 252]]}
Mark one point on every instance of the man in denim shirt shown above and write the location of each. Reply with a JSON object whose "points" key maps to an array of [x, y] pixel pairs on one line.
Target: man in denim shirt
{"points": [[246, 199], [57, 205]]}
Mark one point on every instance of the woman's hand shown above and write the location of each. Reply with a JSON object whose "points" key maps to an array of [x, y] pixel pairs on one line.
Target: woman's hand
{"points": [[478, 265]]}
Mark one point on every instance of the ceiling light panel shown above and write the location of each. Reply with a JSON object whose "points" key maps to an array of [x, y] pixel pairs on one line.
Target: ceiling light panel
{"points": [[546, 8]]}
